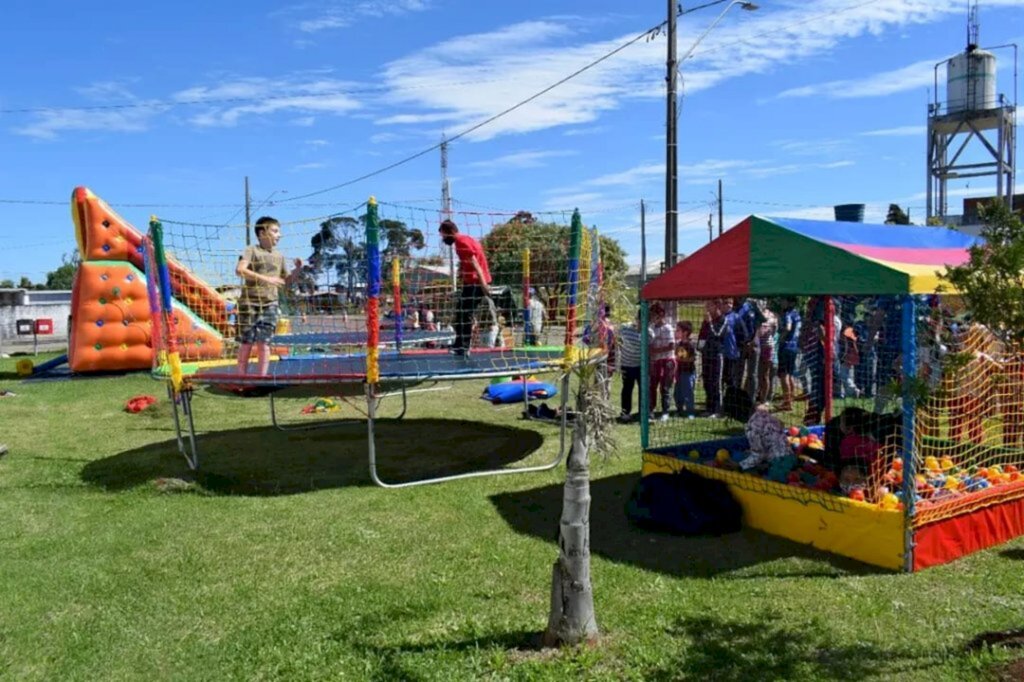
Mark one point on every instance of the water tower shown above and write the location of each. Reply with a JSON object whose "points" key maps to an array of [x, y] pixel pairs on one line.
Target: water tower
{"points": [[971, 134]]}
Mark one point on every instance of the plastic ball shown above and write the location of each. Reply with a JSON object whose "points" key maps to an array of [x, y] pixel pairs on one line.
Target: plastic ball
{"points": [[793, 431], [946, 463], [931, 463], [889, 502], [694, 455], [857, 494], [722, 455]]}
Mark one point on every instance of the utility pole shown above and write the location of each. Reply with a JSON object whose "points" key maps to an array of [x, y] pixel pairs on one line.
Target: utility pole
{"points": [[710, 226], [719, 207], [643, 244], [671, 160], [446, 205], [248, 211], [446, 190]]}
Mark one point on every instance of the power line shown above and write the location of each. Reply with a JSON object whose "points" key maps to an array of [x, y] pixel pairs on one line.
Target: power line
{"points": [[483, 123], [165, 104]]}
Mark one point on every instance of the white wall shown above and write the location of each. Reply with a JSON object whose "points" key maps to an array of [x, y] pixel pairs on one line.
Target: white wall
{"points": [[58, 312]]}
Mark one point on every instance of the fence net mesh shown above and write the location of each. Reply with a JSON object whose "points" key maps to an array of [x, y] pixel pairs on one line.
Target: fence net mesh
{"points": [[386, 262], [724, 375]]}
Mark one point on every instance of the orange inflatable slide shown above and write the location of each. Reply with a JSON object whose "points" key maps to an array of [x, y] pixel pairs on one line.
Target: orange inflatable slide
{"points": [[110, 320]]}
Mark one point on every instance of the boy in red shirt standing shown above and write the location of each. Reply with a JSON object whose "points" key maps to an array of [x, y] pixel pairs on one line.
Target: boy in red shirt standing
{"points": [[474, 276]]}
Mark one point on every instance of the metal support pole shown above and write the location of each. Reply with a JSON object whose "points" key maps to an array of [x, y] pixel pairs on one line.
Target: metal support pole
{"points": [[909, 324], [645, 381], [643, 244]]}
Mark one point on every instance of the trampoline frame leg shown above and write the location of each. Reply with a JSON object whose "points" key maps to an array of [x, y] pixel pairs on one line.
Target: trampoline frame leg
{"points": [[191, 452], [371, 413]]}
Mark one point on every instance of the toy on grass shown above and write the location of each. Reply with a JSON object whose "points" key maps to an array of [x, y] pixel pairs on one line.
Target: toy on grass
{"points": [[139, 403], [24, 368], [322, 405]]}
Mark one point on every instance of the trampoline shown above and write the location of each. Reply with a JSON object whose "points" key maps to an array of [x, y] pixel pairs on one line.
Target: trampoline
{"points": [[388, 364], [411, 337]]}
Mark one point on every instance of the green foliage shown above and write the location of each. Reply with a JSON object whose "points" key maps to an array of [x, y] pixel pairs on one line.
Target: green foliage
{"points": [[64, 276], [339, 247], [549, 255], [896, 216], [991, 282], [7, 284]]}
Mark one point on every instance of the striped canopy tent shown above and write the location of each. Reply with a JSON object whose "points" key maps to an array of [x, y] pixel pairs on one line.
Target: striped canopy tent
{"points": [[786, 256]]}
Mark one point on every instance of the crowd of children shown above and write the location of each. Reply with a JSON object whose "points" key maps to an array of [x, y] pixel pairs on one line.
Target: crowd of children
{"points": [[768, 351]]}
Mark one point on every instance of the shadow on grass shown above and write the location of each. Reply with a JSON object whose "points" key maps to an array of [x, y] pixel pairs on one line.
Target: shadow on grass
{"points": [[713, 648], [1017, 554], [726, 650], [264, 461], [536, 512]]}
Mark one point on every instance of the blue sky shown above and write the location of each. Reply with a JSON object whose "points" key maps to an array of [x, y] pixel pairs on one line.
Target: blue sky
{"points": [[796, 107]]}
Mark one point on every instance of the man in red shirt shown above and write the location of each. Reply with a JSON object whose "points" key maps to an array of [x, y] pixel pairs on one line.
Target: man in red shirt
{"points": [[474, 276]]}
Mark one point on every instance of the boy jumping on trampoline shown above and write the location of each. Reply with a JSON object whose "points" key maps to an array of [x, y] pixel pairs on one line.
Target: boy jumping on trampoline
{"points": [[263, 271], [474, 276]]}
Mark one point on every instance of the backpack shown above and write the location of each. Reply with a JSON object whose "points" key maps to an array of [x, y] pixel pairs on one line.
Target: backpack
{"points": [[683, 504]]}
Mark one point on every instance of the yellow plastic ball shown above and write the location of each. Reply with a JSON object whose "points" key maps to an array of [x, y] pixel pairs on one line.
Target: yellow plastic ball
{"points": [[722, 455], [24, 367], [889, 502], [694, 455]]}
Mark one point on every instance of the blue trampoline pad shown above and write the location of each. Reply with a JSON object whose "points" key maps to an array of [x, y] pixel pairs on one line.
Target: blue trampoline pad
{"points": [[358, 338], [398, 367]]}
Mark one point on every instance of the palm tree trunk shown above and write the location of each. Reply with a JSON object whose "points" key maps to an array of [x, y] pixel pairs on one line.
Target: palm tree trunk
{"points": [[572, 620]]}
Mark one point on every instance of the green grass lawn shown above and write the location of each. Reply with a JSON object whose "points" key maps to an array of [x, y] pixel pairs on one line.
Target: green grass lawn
{"points": [[282, 561]]}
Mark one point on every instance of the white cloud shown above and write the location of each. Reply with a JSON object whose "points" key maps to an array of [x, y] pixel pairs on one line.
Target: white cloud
{"points": [[526, 159], [343, 13], [630, 177], [919, 75], [901, 131], [463, 80], [317, 143], [132, 118], [315, 165], [266, 96]]}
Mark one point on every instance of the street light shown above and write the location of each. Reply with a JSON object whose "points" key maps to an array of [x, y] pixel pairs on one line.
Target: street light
{"points": [[671, 142]]}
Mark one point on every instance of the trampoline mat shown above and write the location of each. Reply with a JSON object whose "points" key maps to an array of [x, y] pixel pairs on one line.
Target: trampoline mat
{"points": [[358, 338], [408, 367]]}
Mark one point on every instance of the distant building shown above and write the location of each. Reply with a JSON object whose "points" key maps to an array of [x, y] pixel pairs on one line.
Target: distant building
{"points": [[654, 268], [30, 304]]}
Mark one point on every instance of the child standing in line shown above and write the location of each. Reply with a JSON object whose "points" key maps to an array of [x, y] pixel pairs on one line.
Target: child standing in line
{"points": [[686, 370], [662, 343], [263, 271], [628, 341]]}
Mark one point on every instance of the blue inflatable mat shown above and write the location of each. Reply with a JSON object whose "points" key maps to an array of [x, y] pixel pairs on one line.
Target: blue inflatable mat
{"points": [[512, 391]]}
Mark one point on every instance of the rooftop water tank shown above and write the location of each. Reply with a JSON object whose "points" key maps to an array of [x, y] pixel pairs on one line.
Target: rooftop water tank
{"points": [[850, 213], [971, 82]]}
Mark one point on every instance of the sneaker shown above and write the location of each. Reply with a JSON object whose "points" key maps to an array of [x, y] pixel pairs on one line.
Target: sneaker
{"points": [[624, 418], [457, 350], [663, 417]]}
